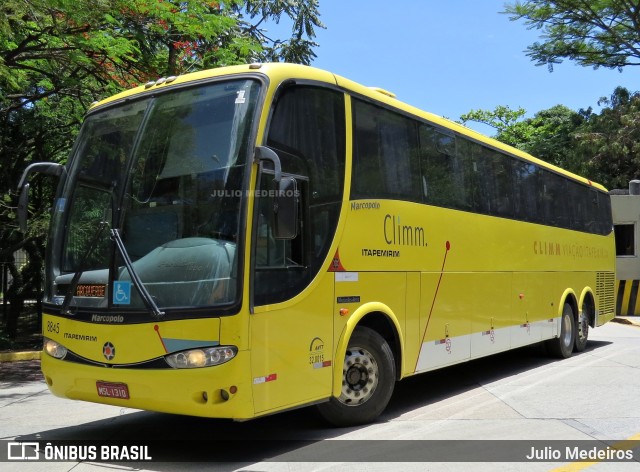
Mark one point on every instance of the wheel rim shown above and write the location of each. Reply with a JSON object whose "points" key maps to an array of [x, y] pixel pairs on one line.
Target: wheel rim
{"points": [[566, 330], [359, 376]]}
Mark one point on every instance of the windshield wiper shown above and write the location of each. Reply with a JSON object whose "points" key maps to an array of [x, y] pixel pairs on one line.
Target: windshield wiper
{"points": [[83, 263], [144, 293]]}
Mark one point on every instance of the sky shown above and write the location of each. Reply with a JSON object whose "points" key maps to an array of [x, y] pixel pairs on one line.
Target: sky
{"points": [[451, 56]]}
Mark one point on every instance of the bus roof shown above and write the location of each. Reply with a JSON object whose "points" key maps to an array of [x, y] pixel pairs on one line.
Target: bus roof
{"points": [[278, 72]]}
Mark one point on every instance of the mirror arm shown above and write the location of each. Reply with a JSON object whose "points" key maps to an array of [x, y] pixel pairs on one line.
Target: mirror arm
{"points": [[263, 153], [49, 168]]}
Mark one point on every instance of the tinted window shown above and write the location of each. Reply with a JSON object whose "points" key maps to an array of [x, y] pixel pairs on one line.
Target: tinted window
{"points": [[397, 157], [526, 202], [307, 131], [440, 179], [552, 192], [308, 125], [385, 154]]}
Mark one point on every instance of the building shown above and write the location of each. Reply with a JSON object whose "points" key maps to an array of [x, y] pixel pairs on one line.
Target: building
{"points": [[625, 206]]}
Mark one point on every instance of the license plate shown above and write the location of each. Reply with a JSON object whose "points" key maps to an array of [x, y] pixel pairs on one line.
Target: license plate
{"points": [[112, 390]]}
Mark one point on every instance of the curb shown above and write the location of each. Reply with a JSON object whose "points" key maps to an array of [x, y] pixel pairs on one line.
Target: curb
{"points": [[19, 356]]}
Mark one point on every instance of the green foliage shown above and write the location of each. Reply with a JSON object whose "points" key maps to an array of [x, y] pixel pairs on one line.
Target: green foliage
{"points": [[602, 33], [305, 19], [553, 138], [610, 140], [504, 120]]}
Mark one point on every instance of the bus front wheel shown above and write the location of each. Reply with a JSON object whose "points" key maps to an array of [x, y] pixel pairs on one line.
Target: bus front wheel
{"points": [[562, 346], [368, 379]]}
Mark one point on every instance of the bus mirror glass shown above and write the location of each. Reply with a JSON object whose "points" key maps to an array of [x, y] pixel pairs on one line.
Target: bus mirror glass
{"points": [[285, 208]]}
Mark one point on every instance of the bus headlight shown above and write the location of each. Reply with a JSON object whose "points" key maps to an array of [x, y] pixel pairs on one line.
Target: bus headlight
{"points": [[203, 357], [54, 349]]}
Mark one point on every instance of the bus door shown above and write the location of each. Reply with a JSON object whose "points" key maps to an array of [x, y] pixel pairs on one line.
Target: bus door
{"points": [[292, 296], [292, 323]]}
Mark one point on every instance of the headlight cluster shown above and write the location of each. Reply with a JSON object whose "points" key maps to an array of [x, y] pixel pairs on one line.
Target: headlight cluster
{"points": [[54, 349], [203, 357]]}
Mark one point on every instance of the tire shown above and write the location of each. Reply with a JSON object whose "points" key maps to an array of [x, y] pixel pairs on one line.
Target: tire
{"points": [[368, 379], [562, 346], [582, 329]]}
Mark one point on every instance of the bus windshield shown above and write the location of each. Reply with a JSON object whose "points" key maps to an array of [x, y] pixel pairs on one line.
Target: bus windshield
{"points": [[167, 173]]}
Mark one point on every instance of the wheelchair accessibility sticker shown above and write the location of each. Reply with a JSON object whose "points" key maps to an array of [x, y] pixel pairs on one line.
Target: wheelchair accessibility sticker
{"points": [[121, 292]]}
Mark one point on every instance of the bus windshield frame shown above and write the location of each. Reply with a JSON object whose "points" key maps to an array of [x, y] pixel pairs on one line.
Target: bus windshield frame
{"points": [[167, 174]]}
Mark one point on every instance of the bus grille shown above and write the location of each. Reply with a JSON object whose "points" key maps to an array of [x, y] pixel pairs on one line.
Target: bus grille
{"points": [[605, 292]]}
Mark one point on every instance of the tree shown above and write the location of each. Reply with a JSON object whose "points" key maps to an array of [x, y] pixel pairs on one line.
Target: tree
{"points": [[504, 120], [305, 18], [554, 138], [602, 33], [610, 140], [89, 48]]}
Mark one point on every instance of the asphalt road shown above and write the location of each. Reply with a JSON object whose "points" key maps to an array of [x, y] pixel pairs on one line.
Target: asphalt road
{"points": [[463, 413]]}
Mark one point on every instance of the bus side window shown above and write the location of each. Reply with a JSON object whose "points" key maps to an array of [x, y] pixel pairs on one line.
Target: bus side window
{"points": [[553, 191], [525, 184], [440, 175], [386, 157], [499, 183], [307, 131]]}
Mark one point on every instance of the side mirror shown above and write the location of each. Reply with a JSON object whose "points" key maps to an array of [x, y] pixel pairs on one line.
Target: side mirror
{"points": [[49, 168], [285, 209]]}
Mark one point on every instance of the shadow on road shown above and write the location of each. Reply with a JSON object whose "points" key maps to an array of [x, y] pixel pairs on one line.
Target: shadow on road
{"points": [[13, 374]]}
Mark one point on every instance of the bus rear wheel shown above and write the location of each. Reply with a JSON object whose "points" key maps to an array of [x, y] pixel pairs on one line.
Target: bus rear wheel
{"points": [[562, 346], [368, 379], [582, 329]]}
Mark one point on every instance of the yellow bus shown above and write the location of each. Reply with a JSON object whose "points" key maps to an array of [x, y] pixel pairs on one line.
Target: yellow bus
{"points": [[246, 240]]}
